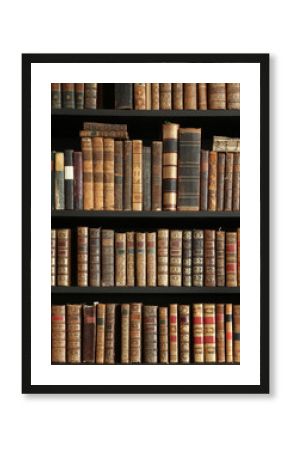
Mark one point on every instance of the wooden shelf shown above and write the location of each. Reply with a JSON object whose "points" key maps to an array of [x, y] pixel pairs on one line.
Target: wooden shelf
{"points": [[146, 214], [144, 290]]}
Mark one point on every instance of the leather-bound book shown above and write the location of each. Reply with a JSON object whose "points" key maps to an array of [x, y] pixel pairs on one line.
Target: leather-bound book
{"points": [[141, 259], [229, 332], [202, 96], [98, 169], [231, 259], [188, 180], [63, 239], [190, 96], [165, 96], [173, 333], [155, 96], [156, 184], [135, 332], [109, 169], [78, 180], [69, 179], [128, 174], [58, 334], [91, 94], [56, 95], [137, 185], [68, 95], [212, 181], [238, 258], [100, 341], [150, 343], [59, 197], [198, 258], [107, 253], [163, 257], [73, 333], [236, 182], [123, 96], [169, 172], [175, 262], [221, 182], [220, 333], [209, 258], [110, 333], [229, 182], [83, 256], [118, 176], [209, 333], [151, 259], [204, 180], [100, 126], [216, 95], [198, 332], [177, 96], [184, 334], [52, 182], [139, 96], [125, 333], [53, 257], [220, 259], [163, 334], [130, 247], [147, 178], [88, 177], [187, 258], [148, 95], [89, 334], [233, 95], [120, 259], [226, 144], [80, 95], [236, 320], [95, 257]]}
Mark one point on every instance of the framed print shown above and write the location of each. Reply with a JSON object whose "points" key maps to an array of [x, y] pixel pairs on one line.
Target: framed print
{"points": [[135, 278]]}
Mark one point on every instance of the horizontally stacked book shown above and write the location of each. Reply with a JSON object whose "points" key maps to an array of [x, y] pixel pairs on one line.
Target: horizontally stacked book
{"points": [[104, 258], [134, 333]]}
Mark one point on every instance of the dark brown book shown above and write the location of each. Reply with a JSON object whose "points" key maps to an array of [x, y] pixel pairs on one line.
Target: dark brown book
{"points": [[120, 259], [233, 95], [73, 333], [177, 96], [231, 259], [56, 95], [209, 258], [125, 333], [146, 178], [229, 332], [163, 334], [104, 134], [163, 257], [78, 180], [68, 95], [69, 179], [141, 259], [156, 186], [137, 180], [221, 182], [108, 273], [53, 258], [169, 172], [139, 96], [123, 96], [190, 96], [236, 336], [173, 334], [135, 332], [100, 332], [91, 93], [95, 256], [220, 333], [118, 176], [187, 258], [175, 261], [89, 334], [83, 256], [151, 259], [229, 182], [165, 96], [130, 247], [88, 178], [110, 333], [220, 259], [100, 126], [63, 239], [216, 95], [198, 258], [80, 95], [128, 175], [212, 182], [58, 334], [236, 182], [209, 333], [202, 96], [238, 258], [98, 172], [198, 332], [155, 96], [148, 95], [109, 169], [204, 180], [59, 193], [184, 334], [150, 343]]}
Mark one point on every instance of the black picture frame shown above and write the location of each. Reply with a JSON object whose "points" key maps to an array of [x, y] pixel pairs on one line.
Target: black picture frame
{"points": [[263, 61]]}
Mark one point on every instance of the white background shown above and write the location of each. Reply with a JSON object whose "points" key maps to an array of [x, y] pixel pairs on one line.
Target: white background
{"points": [[220, 422]]}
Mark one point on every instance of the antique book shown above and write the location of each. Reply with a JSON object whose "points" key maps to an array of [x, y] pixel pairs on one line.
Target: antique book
{"points": [[146, 178], [140, 259], [150, 343], [229, 182], [188, 180], [184, 334], [220, 333], [148, 95], [83, 256], [169, 172], [63, 239], [202, 96], [226, 144], [73, 333], [221, 182], [197, 258], [204, 180], [130, 258], [107, 258], [163, 257], [135, 332], [209, 333], [100, 126], [165, 96], [236, 335], [198, 332], [231, 259], [163, 334], [56, 95], [110, 333], [139, 96], [59, 196], [151, 259], [78, 180], [236, 182], [137, 181], [177, 96], [187, 258], [156, 183], [233, 95], [125, 333], [155, 96], [128, 174], [68, 95], [58, 334], [88, 181], [109, 169], [53, 257], [175, 258], [89, 333], [98, 171], [212, 182], [229, 332], [120, 259], [216, 95], [80, 95], [209, 258], [104, 133], [238, 256], [118, 176], [173, 333], [220, 258], [189, 96], [69, 179], [95, 257], [123, 95], [91, 93], [52, 180], [100, 333]]}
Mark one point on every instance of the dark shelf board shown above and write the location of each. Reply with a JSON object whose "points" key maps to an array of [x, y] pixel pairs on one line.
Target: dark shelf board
{"points": [[146, 364], [146, 214], [144, 290], [142, 113]]}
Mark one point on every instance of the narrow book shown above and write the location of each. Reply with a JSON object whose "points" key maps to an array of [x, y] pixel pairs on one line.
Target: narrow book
{"points": [[63, 239], [100, 333], [148, 95], [110, 333], [139, 96], [89, 333], [69, 179], [147, 178], [125, 333], [78, 180], [120, 259], [56, 95], [155, 96], [135, 332], [58, 334], [220, 258], [169, 173], [165, 96], [187, 258], [229, 332], [163, 334], [202, 96], [95, 257], [68, 95], [83, 256], [236, 182], [123, 96], [209, 333], [198, 258], [109, 169], [128, 174], [190, 96], [80, 95], [107, 253], [163, 257], [52, 181], [98, 172], [130, 258], [212, 182], [118, 176], [220, 333], [173, 333], [151, 259], [238, 257], [236, 320], [73, 333], [88, 182], [204, 180], [198, 332], [156, 186], [221, 182], [59, 193], [184, 334], [229, 182], [209, 258], [175, 261], [53, 257], [137, 186], [150, 343], [233, 95], [177, 96], [231, 259], [141, 259], [91, 95], [216, 95]]}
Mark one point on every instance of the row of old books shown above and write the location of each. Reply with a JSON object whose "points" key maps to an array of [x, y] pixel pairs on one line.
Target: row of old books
{"points": [[173, 174], [155, 258], [100, 333], [148, 96]]}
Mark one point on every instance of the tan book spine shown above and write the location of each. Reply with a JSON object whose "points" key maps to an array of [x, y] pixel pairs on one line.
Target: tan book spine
{"points": [[115, 134], [198, 332], [135, 332], [95, 257], [58, 334], [83, 256], [173, 333], [233, 95], [236, 318], [231, 259], [56, 95], [209, 258], [137, 193], [59, 181], [229, 333], [236, 182], [130, 247], [165, 96], [163, 335], [151, 259], [53, 258], [150, 342], [221, 181], [128, 174], [148, 96], [155, 95], [184, 334], [118, 175], [209, 333], [212, 181], [220, 333], [202, 96], [238, 249], [120, 259], [190, 96], [98, 168], [139, 96], [216, 96], [100, 341], [177, 96], [175, 268], [141, 259], [125, 333], [162, 257], [91, 95], [220, 259], [73, 333], [110, 333], [88, 182], [63, 238], [169, 172], [109, 169], [107, 258], [229, 182]]}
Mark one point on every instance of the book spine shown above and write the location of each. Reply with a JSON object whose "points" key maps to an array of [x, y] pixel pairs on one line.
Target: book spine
{"points": [[83, 256], [148, 95], [169, 173], [91, 94], [209, 258], [184, 334], [177, 96], [156, 187], [125, 333], [135, 332], [109, 195], [198, 258], [95, 257], [68, 95], [98, 170], [173, 334], [137, 187], [229, 333], [139, 96], [56, 95], [73, 333], [163, 335], [58, 334], [63, 239], [155, 96], [123, 96], [236, 320], [229, 182], [216, 96], [99, 126], [209, 333], [204, 180], [141, 259], [59, 197], [79, 95], [151, 259], [212, 181], [89, 334], [231, 259], [107, 253], [53, 257], [202, 96], [162, 257], [120, 259], [187, 258], [69, 179], [150, 334], [238, 256], [220, 333], [100, 344], [128, 174], [221, 182], [118, 176], [78, 180], [110, 333], [130, 258], [198, 332], [105, 134], [146, 178], [220, 259], [165, 96], [190, 96], [233, 95], [52, 181], [88, 182], [236, 182], [175, 261]]}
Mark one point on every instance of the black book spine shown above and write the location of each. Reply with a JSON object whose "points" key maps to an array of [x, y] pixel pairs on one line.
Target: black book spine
{"points": [[147, 178], [69, 179], [124, 95]]}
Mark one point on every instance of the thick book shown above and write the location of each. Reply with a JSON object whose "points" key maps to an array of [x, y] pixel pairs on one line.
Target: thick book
{"points": [[53, 257], [59, 193], [58, 334], [169, 173], [216, 95], [148, 95], [155, 96], [165, 96], [91, 91], [146, 178], [209, 333], [56, 95], [137, 179], [120, 259], [109, 169], [78, 180], [107, 258], [156, 183], [220, 258], [221, 182], [209, 258], [175, 258], [231, 259], [118, 176], [212, 181], [226, 144], [236, 182], [139, 96], [68, 95], [187, 258], [125, 333], [188, 180], [88, 181], [83, 256], [163, 335], [151, 259], [150, 343], [130, 258], [135, 332], [128, 175], [198, 333], [89, 334], [236, 329], [98, 172], [80, 95], [63, 239], [220, 333], [110, 333], [184, 334], [204, 179], [163, 257], [100, 333], [233, 95], [100, 126], [73, 333], [190, 96], [229, 332], [229, 182], [69, 179], [141, 259], [95, 257], [123, 95], [202, 96], [177, 96], [173, 334], [198, 258]]}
